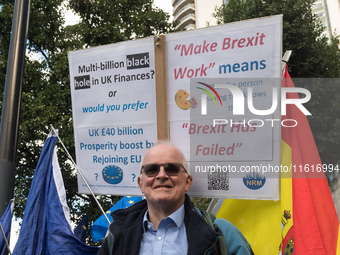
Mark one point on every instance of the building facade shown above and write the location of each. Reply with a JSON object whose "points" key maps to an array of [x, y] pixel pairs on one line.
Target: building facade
{"points": [[328, 12], [191, 14]]}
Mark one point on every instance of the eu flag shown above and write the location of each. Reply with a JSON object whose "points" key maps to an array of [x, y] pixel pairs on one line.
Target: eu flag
{"points": [[80, 230], [46, 228], [100, 226]]}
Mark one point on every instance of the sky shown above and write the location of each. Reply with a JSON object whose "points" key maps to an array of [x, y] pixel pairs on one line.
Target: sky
{"points": [[164, 4]]}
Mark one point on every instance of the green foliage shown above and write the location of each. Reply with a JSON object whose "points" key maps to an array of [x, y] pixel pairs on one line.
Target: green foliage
{"points": [[201, 203], [46, 95], [114, 21], [324, 122]]}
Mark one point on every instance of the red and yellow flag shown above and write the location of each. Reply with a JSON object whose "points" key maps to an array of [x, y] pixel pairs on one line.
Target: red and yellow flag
{"points": [[304, 221]]}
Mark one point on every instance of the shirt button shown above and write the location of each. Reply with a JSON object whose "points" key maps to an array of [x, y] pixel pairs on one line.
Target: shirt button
{"points": [[159, 238]]}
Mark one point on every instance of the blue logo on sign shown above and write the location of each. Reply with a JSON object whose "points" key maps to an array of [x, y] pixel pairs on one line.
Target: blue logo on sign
{"points": [[112, 174], [254, 181]]}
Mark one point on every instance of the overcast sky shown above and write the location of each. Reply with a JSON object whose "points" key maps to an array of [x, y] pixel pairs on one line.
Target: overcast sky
{"points": [[165, 5]]}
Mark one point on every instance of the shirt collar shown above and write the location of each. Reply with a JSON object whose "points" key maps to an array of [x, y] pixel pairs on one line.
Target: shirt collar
{"points": [[177, 217]]}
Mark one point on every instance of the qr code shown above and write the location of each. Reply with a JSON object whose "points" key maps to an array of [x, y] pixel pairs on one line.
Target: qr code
{"points": [[218, 181]]}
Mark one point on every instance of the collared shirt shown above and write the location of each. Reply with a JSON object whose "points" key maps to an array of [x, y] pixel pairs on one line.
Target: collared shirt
{"points": [[169, 239]]}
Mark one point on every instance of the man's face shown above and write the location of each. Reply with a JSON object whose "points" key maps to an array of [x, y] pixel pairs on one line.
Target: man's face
{"points": [[163, 189]]}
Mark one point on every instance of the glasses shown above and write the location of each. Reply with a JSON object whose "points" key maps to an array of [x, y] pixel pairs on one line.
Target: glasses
{"points": [[171, 169]]}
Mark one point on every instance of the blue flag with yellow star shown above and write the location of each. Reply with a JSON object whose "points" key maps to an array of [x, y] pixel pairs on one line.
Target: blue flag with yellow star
{"points": [[80, 230], [99, 228]]}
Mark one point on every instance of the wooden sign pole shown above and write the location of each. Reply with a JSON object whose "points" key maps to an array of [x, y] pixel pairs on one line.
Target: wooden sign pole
{"points": [[161, 88]]}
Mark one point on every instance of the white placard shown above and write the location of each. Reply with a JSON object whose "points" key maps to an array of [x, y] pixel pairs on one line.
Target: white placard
{"points": [[114, 113], [247, 55]]}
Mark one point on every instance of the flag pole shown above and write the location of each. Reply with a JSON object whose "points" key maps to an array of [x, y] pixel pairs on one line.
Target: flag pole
{"points": [[4, 235], [9, 127], [212, 204], [80, 173], [285, 59]]}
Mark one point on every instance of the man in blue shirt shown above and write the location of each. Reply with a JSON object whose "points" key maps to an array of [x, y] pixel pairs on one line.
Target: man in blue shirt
{"points": [[167, 222]]}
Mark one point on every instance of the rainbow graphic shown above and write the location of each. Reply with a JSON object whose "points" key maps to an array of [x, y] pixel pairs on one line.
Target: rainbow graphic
{"points": [[209, 93]]}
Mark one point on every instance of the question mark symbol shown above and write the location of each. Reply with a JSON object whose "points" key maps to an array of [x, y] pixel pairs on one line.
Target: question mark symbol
{"points": [[96, 176], [152, 73], [133, 178]]}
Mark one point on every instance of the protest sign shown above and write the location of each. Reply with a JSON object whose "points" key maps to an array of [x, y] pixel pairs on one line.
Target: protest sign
{"points": [[227, 157], [114, 113]]}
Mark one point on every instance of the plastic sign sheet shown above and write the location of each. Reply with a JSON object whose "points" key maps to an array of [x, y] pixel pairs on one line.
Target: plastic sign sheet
{"points": [[114, 113], [220, 82]]}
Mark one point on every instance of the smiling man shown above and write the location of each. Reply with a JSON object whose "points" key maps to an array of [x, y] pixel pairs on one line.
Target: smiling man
{"points": [[167, 222]]}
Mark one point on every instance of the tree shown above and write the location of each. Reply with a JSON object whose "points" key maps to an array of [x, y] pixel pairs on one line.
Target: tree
{"points": [[313, 56], [46, 95], [104, 22]]}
